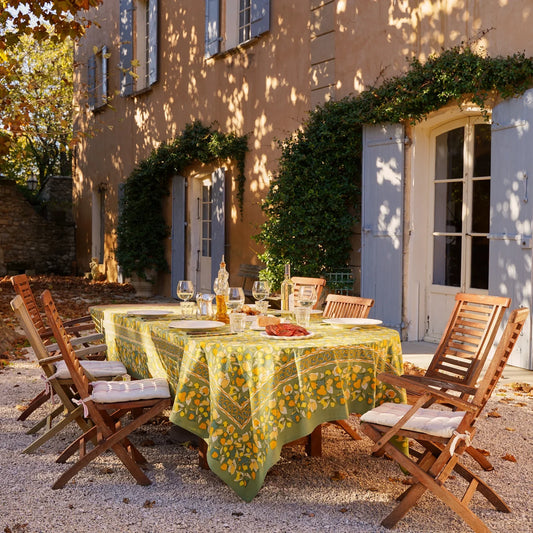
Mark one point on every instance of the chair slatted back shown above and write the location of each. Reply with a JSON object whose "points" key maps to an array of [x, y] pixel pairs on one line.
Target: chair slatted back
{"points": [[341, 306], [318, 283], [35, 340], [468, 338], [69, 356], [21, 284], [494, 371]]}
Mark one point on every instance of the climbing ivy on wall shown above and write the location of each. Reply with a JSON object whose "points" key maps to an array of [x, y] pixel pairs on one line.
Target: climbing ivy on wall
{"points": [[314, 200], [141, 225]]}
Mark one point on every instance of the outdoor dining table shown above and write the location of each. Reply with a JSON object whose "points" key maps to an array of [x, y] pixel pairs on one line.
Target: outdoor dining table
{"points": [[247, 395]]}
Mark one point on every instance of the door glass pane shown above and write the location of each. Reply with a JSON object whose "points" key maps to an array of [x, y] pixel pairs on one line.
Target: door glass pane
{"points": [[482, 136], [481, 206], [206, 220], [479, 278], [448, 207], [449, 155], [447, 261]]}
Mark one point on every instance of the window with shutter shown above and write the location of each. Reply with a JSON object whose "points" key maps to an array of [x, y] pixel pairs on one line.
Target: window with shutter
{"points": [[242, 20], [138, 45], [97, 65]]}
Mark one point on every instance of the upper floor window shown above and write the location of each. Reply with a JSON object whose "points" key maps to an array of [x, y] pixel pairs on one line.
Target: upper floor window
{"points": [[138, 45], [97, 78], [240, 22]]}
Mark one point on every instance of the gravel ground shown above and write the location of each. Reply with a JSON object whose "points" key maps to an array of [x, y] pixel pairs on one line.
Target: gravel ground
{"points": [[346, 490]]}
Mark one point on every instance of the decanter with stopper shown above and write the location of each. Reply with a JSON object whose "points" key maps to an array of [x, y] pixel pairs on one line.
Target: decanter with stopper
{"points": [[221, 289]]}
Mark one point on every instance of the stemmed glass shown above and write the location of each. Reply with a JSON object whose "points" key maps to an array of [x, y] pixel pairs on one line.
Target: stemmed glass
{"points": [[307, 296], [235, 299], [260, 290], [185, 290]]}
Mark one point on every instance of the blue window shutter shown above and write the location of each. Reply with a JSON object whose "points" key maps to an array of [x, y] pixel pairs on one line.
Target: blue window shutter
{"points": [[105, 75], [218, 236], [260, 22], [126, 47], [91, 81], [212, 27], [152, 40]]}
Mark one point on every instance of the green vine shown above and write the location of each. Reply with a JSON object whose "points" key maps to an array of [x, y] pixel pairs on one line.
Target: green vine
{"points": [[141, 225], [314, 200]]}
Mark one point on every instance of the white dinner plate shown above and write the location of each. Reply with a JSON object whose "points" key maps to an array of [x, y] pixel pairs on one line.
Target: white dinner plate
{"points": [[351, 322], [195, 324], [149, 312], [287, 338]]}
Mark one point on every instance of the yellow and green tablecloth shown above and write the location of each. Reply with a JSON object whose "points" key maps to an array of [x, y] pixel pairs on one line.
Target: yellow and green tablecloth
{"points": [[247, 395]]}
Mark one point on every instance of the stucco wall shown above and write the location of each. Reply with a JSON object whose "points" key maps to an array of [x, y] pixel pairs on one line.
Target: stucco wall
{"points": [[316, 50]]}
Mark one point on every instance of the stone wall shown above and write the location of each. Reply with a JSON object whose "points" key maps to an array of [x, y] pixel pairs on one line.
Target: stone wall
{"points": [[38, 240]]}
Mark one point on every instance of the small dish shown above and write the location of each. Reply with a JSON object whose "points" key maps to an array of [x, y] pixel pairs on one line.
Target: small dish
{"points": [[351, 322], [149, 312], [195, 324], [287, 338]]}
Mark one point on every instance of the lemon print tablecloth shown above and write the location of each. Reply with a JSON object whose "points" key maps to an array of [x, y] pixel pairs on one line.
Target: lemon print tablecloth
{"points": [[247, 395]]}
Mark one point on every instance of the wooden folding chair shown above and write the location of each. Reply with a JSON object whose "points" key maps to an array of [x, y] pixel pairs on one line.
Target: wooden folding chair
{"points": [[58, 381], [105, 404], [249, 274], [318, 283], [443, 434], [340, 306], [463, 350], [74, 327]]}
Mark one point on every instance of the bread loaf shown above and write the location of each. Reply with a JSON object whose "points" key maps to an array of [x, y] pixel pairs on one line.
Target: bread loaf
{"points": [[263, 321]]}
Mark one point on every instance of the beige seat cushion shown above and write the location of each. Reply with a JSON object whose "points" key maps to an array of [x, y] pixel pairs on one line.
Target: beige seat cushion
{"points": [[124, 391], [98, 369], [429, 421]]}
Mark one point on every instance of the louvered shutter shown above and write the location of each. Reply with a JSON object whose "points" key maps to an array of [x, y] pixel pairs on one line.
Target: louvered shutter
{"points": [[91, 81], [152, 40], [126, 47], [212, 27], [260, 17]]}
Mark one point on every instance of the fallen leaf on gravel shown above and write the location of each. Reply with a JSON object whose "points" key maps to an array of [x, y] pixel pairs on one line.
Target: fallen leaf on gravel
{"points": [[486, 453], [337, 476], [107, 470], [308, 514], [521, 404], [509, 457], [126, 500], [343, 510], [148, 504], [494, 414], [510, 429], [236, 513], [524, 387]]}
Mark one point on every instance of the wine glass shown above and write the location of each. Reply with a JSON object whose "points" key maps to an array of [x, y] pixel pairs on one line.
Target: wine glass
{"points": [[185, 290], [235, 299], [307, 296], [260, 290]]}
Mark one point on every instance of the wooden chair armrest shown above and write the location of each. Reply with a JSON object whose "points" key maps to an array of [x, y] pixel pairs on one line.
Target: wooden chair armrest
{"points": [[76, 341], [437, 395], [96, 348], [49, 360], [442, 384], [80, 320]]}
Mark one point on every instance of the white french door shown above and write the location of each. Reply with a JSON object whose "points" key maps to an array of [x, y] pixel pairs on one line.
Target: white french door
{"points": [[201, 233], [459, 244]]}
